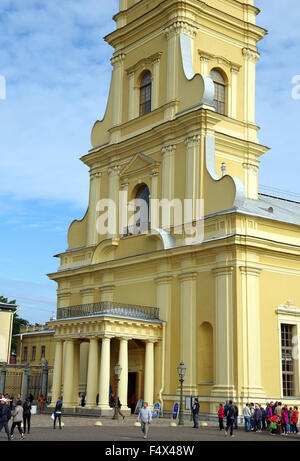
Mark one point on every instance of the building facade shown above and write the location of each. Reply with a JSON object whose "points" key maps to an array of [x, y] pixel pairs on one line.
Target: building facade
{"points": [[209, 277]]}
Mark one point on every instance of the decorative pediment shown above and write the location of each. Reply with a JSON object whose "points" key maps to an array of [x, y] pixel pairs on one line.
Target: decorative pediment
{"points": [[139, 163], [288, 308]]}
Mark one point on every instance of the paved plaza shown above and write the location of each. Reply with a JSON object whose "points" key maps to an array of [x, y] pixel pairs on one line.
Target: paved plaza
{"points": [[84, 429]]}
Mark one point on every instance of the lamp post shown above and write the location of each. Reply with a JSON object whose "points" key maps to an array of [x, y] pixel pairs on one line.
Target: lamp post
{"points": [[181, 372], [118, 370]]}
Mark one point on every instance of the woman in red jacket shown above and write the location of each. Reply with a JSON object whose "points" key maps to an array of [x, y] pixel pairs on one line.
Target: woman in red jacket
{"points": [[221, 417], [294, 421]]}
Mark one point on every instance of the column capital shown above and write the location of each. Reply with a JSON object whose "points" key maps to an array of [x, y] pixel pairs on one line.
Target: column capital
{"points": [[248, 270], [185, 276], [193, 140], [178, 27], [118, 59], [250, 55], [169, 150], [225, 270], [164, 279]]}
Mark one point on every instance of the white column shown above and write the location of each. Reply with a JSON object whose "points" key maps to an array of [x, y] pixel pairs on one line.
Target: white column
{"points": [[92, 374], [250, 60], [68, 394], [188, 325], [234, 92], [149, 374], [164, 304], [104, 379], [57, 372], [155, 84], [193, 162], [250, 305], [224, 355], [131, 96], [95, 185], [123, 361], [168, 172]]}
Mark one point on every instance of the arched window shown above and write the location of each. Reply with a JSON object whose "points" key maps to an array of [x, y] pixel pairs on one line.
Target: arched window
{"points": [[220, 91], [145, 93], [142, 199]]}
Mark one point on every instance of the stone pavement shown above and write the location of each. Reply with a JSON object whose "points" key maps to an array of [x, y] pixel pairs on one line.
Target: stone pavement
{"points": [[84, 429]]}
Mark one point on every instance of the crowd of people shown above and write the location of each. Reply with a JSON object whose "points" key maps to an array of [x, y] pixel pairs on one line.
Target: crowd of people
{"points": [[274, 417], [19, 413]]}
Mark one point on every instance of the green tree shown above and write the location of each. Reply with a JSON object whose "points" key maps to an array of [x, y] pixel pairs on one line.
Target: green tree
{"points": [[17, 323]]}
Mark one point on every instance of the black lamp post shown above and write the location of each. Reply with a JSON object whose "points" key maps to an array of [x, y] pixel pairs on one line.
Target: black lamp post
{"points": [[118, 370], [181, 372]]}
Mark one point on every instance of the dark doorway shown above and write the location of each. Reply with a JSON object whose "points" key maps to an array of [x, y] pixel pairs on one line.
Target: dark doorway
{"points": [[132, 388]]}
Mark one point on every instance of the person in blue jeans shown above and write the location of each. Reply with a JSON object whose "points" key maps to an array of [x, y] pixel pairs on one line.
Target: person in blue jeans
{"points": [[247, 416]]}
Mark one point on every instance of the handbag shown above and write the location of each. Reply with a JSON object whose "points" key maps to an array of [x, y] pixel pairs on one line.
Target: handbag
{"points": [[52, 416]]}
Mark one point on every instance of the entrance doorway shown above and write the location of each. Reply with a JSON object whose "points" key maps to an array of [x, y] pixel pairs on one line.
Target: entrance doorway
{"points": [[132, 391]]}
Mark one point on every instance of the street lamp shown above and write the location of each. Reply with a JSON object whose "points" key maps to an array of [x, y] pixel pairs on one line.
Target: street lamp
{"points": [[118, 370], [181, 372]]}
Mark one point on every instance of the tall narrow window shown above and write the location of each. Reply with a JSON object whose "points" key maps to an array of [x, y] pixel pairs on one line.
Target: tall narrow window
{"points": [[142, 198], [220, 91], [288, 365], [43, 352], [25, 351], [145, 93], [33, 353]]}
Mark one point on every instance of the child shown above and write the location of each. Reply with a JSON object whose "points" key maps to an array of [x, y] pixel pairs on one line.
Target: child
{"points": [[221, 417]]}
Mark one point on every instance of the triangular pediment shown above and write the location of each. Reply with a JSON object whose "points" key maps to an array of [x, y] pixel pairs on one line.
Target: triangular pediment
{"points": [[138, 163], [288, 308]]}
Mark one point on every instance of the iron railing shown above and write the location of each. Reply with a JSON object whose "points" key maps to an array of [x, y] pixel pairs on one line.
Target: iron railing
{"points": [[109, 308]]}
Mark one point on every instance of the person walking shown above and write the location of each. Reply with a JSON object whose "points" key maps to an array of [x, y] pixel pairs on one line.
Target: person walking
{"points": [[57, 412], [119, 405], [230, 416], [145, 417], [17, 415], [221, 417], [5, 415], [278, 413], [195, 410], [26, 415], [247, 416]]}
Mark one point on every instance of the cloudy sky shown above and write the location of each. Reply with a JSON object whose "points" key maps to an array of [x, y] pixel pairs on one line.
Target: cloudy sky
{"points": [[57, 71]]}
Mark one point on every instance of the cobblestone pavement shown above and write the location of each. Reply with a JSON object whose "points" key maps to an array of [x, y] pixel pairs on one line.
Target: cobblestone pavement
{"points": [[84, 429]]}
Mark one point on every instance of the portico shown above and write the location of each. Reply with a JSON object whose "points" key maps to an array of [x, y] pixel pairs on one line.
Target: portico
{"points": [[117, 333]]}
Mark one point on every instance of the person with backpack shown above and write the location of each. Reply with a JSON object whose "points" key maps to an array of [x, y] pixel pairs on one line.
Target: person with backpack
{"points": [[230, 417], [26, 415], [5, 415]]}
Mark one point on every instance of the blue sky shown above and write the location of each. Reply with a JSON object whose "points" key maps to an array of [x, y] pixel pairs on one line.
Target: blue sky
{"points": [[57, 70]]}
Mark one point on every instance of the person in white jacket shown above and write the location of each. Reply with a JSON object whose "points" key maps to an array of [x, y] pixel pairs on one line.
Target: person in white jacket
{"points": [[247, 416], [145, 416]]}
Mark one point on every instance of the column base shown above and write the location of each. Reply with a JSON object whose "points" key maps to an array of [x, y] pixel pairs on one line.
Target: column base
{"points": [[253, 392], [226, 392]]}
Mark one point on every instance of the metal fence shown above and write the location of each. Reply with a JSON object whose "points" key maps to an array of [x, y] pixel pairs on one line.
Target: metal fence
{"points": [[26, 379], [109, 308]]}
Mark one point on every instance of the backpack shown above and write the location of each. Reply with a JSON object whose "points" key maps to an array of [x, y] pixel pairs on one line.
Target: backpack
{"points": [[226, 411]]}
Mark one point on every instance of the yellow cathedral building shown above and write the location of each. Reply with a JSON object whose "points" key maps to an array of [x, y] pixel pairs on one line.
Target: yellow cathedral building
{"points": [[209, 273]]}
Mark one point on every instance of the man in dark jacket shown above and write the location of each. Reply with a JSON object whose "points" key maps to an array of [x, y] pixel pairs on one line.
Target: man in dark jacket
{"points": [[5, 415], [195, 410], [231, 414]]}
